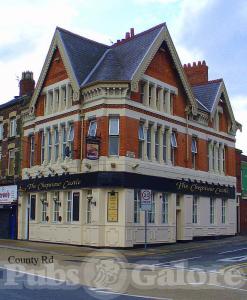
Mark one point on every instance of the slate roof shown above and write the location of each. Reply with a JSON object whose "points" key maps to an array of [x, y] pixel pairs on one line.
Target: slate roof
{"points": [[206, 94], [92, 61], [14, 101], [83, 53]]}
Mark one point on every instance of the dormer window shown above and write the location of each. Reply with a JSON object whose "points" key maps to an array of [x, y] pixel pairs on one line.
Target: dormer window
{"points": [[92, 128], [12, 128]]}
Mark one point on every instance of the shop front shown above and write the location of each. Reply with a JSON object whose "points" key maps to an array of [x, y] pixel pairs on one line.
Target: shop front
{"points": [[102, 209], [8, 212]]}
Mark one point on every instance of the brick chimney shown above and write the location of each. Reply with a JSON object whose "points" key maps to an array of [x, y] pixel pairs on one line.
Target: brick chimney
{"points": [[26, 83], [128, 35], [197, 73]]}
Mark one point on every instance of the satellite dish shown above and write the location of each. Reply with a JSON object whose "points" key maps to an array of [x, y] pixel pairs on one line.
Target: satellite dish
{"points": [[67, 151]]}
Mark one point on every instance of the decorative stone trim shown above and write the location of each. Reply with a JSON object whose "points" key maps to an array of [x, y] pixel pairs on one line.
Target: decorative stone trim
{"points": [[164, 35], [56, 42], [12, 114]]}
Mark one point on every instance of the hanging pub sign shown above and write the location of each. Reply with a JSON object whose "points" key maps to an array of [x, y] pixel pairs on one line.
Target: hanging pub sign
{"points": [[112, 207], [8, 194], [92, 149]]}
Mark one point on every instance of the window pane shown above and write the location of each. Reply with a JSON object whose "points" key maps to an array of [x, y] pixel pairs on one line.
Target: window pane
{"points": [[76, 206], [173, 140], [194, 146], [141, 133], [113, 145], [114, 126], [32, 207], [92, 128]]}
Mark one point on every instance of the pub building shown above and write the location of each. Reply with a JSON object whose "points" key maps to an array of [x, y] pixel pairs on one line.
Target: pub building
{"points": [[107, 122], [10, 154]]}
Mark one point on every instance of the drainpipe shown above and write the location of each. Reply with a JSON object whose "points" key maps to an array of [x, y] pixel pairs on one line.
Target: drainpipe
{"points": [[82, 116], [187, 111]]}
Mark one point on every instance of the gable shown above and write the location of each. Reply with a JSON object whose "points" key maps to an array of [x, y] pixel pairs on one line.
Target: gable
{"points": [[56, 71], [162, 68], [164, 38]]}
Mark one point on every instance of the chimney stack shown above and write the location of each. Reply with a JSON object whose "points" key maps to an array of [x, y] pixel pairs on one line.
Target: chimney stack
{"points": [[197, 73], [26, 83]]}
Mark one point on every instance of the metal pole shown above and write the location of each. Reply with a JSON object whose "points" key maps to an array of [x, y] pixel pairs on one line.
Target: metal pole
{"points": [[145, 229]]}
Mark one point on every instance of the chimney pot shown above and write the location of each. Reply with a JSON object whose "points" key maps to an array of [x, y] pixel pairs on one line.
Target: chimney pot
{"points": [[127, 35], [132, 32]]}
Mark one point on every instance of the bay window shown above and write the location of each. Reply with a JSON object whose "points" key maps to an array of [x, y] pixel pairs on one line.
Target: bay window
{"points": [[56, 144], [71, 140]]}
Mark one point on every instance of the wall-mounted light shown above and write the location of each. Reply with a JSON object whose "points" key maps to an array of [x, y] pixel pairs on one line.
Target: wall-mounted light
{"points": [[112, 193], [51, 170], [64, 168], [113, 165], [88, 166], [135, 166]]}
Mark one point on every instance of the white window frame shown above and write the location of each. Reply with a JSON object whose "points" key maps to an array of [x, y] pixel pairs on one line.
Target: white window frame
{"points": [[64, 141], [142, 91], [164, 137], [157, 143], [69, 206], [194, 151], [49, 145], [56, 143], [223, 210], [12, 127], [173, 146], [141, 139], [151, 213], [165, 208], [92, 129], [137, 206], [149, 148], [89, 207], [56, 206], [43, 197], [42, 154], [113, 135], [195, 201], [70, 139], [32, 150], [212, 211]]}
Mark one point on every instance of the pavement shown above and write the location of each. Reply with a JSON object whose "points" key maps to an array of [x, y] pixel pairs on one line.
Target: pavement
{"points": [[208, 269]]}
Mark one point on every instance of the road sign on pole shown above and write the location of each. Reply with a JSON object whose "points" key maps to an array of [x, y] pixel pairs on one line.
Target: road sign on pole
{"points": [[146, 205], [146, 199]]}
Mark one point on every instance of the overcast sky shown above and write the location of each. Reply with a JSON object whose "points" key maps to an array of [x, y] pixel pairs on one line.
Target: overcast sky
{"points": [[211, 30]]}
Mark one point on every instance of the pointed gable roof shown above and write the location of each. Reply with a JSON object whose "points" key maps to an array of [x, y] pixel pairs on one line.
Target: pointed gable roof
{"points": [[207, 93], [87, 61], [208, 96], [122, 60], [83, 53]]}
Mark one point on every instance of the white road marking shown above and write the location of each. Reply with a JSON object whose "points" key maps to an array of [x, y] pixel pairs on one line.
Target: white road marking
{"points": [[132, 295], [28, 273], [179, 260], [230, 251], [227, 287], [234, 259]]}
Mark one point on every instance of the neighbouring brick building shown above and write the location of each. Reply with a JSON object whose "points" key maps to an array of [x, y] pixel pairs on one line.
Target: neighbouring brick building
{"points": [[106, 122], [241, 170], [11, 155]]}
